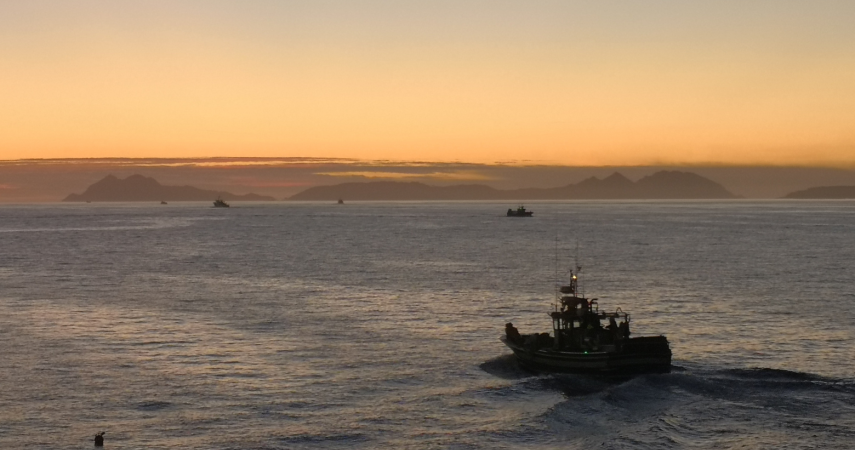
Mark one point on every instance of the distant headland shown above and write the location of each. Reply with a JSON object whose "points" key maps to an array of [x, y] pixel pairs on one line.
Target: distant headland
{"points": [[660, 185], [137, 188], [824, 192]]}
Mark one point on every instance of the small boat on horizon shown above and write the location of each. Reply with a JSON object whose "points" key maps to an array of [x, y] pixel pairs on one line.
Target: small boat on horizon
{"points": [[520, 212], [220, 203], [340, 201], [162, 202], [580, 343]]}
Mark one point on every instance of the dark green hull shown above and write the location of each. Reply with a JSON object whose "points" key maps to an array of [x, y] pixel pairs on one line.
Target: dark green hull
{"points": [[639, 355]]}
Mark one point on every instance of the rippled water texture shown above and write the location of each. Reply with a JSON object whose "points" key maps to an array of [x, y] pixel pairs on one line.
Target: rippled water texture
{"points": [[376, 325]]}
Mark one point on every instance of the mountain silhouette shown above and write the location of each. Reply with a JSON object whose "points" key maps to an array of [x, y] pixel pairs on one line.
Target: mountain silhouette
{"points": [[137, 188], [824, 192], [660, 185], [679, 185]]}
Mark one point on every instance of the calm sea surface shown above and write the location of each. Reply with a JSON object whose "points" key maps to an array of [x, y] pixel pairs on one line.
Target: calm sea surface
{"points": [[376, 325]]}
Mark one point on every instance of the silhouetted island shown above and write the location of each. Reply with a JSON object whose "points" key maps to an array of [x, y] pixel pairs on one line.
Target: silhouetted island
{"points": [[824, 192], [660, 185], [137, 188]]}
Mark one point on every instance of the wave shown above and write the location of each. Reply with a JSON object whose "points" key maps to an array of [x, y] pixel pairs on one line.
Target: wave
{"points": [[153, 405], [762, 373], [326, 440]]}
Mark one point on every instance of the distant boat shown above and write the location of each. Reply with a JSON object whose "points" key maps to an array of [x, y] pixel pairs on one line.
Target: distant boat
{"points": [[163, 202], [340, 201], [220, 203], [520, 212]]}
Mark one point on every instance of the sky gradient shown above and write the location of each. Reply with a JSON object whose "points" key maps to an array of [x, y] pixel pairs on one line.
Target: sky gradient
{"points": [[552, 82]]}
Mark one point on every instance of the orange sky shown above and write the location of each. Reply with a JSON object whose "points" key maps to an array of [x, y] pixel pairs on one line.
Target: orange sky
{"points": [[577, 83]]}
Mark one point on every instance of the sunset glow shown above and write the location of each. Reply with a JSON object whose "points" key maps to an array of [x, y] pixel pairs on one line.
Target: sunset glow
{"points": [[576, 83]]}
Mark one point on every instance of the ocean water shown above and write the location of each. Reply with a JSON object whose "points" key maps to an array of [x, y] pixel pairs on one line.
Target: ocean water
{"points": [[376, 325]]}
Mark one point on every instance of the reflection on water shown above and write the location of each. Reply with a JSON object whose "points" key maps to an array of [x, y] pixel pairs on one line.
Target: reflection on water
{"points": [[307, 326]]}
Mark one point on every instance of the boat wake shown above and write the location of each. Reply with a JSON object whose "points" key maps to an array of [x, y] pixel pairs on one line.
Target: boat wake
{"points": [[505, 367], [695, 407]]}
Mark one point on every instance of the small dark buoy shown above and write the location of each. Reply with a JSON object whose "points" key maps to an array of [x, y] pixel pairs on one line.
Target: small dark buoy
{"points": [[99, 439]]}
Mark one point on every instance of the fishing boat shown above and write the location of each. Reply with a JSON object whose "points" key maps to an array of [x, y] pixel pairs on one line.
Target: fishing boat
{"points": [[580, 343], [220, 203], [520, 212], [340, 201]]}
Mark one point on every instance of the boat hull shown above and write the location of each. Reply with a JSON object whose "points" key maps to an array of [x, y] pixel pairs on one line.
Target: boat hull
{"points": [[646, 355]]}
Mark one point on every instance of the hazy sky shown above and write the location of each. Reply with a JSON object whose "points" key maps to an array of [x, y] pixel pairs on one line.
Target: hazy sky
{"points": [[565, 82]]}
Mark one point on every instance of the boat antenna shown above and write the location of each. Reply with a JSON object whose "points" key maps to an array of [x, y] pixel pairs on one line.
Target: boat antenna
{"points": [[578, 267], [557, 281]]}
